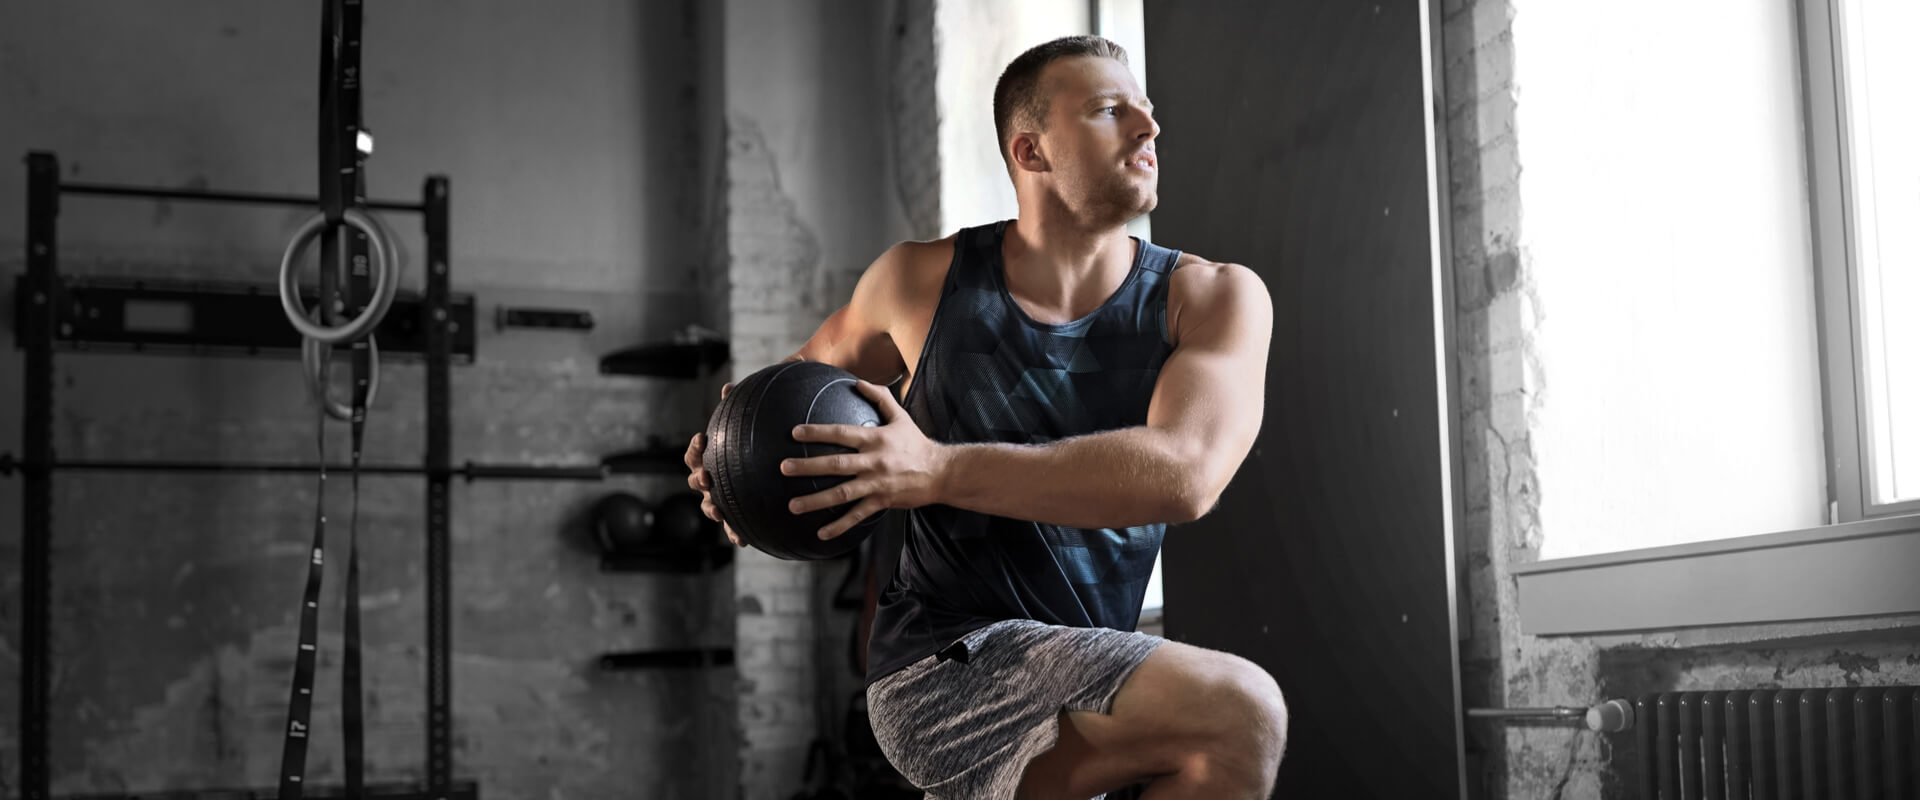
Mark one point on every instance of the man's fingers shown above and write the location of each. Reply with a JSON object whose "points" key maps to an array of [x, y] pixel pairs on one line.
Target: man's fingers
{"points": [[860, 513], [724, 388], [882, 399], [848, 464], [695, 449], [844, 493], [713, 513], [854, 436]]}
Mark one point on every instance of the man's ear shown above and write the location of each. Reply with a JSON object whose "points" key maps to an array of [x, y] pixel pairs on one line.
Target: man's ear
{"points": [[1026, 153]]}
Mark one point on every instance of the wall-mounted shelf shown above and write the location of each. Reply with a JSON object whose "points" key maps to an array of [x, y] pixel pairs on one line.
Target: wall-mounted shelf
{"points": [[650, 460], [668, 360], [176, 316], [668, 659], [712, 558]]}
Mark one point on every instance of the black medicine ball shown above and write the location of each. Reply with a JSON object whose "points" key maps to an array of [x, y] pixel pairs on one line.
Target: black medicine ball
{"points": [[622, 523], [752, 431]]}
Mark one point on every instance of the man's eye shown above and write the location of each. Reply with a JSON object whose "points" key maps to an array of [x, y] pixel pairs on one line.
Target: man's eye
{"points": [[1110, 110]]}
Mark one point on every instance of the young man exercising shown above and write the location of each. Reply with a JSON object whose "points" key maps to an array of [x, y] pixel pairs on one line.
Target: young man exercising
{"points": [[1068, 391]]}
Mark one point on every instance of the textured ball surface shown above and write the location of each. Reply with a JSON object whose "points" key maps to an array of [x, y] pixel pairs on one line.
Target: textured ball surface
{"points": [[751, 432]]}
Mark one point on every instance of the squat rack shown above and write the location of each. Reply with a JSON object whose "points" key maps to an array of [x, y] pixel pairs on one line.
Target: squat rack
{"points": [[53, 312], [81, 315]]}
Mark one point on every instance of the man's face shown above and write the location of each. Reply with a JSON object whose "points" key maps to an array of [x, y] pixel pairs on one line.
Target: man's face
{"points": [[1099, 140]]}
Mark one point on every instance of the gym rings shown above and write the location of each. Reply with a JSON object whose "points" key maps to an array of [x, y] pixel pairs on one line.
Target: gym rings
{"points": [[316, 356], [385, 282], [316, 346]]}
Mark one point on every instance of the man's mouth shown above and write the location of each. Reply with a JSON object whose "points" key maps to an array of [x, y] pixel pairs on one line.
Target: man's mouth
{"points": [[1143, 160]]}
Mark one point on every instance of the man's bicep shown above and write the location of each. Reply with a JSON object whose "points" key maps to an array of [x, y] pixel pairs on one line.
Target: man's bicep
{"points": [[1212, 389]]}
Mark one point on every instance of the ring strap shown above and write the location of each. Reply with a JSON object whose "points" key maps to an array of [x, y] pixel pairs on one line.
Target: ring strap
{"points": [[293, 754], [339, 179], [359, 290], [352, 182]]}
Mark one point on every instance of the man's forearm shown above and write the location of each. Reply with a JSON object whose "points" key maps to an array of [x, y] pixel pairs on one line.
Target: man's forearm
{"points": [[1115, 479]]}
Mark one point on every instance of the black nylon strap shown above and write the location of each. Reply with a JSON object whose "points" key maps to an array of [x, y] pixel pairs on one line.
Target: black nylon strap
{"points": [[293, 755], [353, 723], [360, 286], [352, 182], [341, 182]]}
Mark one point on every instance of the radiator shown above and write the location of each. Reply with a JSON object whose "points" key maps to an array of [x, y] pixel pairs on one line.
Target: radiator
{"points": [[1804, 744]]}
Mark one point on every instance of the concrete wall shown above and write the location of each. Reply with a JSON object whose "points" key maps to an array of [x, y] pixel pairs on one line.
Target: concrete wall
{"points": [[1500, 266], [828, 163], [977, 39], [570, 134]]}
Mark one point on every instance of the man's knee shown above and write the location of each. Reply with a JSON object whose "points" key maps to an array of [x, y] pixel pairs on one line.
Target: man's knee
{"points": [[1264, 717]]}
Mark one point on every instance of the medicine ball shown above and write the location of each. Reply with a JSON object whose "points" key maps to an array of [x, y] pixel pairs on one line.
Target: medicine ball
{"points": [[751, 432], [622, 523], [678, 522]]}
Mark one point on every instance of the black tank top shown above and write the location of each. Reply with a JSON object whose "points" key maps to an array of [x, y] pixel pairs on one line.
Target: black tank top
{"points": [[990, 373]]}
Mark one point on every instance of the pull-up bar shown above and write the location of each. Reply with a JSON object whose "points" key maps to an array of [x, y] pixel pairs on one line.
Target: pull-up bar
{"points": [[198, 195]]}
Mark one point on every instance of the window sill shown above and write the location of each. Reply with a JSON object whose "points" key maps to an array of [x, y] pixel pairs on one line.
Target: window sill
{"points": [[1152, 621], [1837, 580]]}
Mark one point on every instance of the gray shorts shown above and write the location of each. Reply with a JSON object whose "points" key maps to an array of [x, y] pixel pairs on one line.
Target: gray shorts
{"points": [[964, 727]]}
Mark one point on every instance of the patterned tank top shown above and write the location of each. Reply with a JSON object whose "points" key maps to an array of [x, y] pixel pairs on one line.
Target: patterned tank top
{"points": [[990, 373]]}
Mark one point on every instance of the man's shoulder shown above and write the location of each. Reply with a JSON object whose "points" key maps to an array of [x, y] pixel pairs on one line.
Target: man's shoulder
{"points": [[915, 263], [1202, 274], [1209, 289]]}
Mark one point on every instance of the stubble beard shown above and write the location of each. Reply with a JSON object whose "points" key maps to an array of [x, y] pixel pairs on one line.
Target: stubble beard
{"points": [[1118, 199]]}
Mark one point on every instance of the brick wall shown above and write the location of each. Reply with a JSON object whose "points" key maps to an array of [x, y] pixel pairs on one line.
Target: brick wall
{"points": [[826, 166]]}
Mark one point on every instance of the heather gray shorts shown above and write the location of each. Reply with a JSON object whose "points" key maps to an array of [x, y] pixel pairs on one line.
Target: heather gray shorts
{"points": [[964, 727]]}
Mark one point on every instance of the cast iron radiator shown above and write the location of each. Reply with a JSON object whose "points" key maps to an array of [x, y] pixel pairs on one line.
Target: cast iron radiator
{"points": [[1803, 744]]}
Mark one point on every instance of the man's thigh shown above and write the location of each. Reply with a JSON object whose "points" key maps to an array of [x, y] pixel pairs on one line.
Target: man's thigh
{"points": [[967, 725], [1180, 702]]}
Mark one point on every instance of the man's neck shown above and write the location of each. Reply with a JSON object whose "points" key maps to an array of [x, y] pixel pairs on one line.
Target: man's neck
{"points": [[1062, 268]]}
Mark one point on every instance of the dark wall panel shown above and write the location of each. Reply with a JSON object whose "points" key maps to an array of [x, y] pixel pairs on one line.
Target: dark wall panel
{"points": [[1296, 142]]}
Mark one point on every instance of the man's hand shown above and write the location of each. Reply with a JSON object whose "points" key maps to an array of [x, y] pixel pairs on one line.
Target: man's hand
{"points": [[897, 466], [699, 481]]}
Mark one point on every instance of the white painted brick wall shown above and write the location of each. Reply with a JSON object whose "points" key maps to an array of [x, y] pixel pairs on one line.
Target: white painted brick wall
{"points": [[790, 261], [1500, 387], [769, 253]]}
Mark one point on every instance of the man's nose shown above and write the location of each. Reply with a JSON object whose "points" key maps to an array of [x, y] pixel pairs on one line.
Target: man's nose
{"points": [[1151, 130]]}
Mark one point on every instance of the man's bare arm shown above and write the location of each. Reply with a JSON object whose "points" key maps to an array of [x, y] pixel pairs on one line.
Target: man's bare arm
{"points": [[1204, 415], [855, 338]]}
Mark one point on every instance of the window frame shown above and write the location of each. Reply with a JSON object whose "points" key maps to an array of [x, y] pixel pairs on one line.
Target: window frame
{"points": [[1853, 574], [1829, 172]]}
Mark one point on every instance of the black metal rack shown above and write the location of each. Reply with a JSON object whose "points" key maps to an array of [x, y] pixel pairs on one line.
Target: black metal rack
{"points": [[460, 790], [116, 315], [54, 314]]}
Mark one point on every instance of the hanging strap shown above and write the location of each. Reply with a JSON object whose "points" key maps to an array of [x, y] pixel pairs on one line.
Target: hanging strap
{"points": [[352, 181], [293, 755], [341, 184]]}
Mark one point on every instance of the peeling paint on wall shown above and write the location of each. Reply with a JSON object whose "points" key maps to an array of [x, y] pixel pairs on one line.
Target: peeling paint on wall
{"points": [[913, 110]]}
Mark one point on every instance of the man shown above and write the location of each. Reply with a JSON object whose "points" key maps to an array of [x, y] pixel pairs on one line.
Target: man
{"points": [[1068, 390]]}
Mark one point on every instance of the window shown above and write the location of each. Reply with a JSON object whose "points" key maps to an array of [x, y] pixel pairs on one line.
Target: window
{"points": [[1851, 275], [1863, 133]]}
